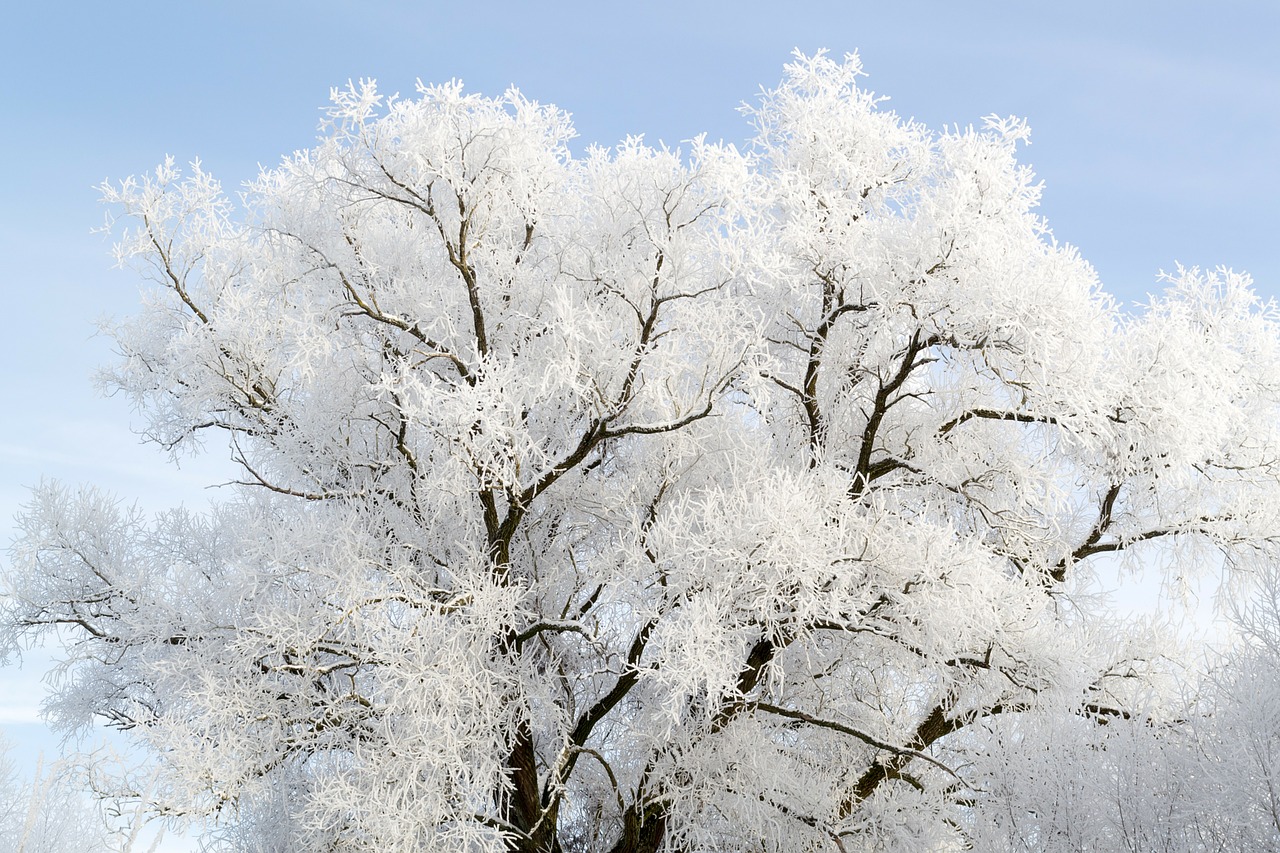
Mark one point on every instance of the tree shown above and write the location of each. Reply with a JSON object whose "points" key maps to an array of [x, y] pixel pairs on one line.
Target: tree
{"points": [[48, 814], [1207, 778], [637, 501]]}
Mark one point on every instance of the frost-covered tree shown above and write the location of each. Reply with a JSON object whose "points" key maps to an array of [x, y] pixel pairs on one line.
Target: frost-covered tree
{"points": [[1236, 740], [1199, 774], [48, 812], [641, 500]]}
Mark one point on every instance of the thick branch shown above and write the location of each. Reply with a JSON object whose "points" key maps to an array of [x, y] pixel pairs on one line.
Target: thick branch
{"points": [[996, 415], [851, 732], [880, 406]]}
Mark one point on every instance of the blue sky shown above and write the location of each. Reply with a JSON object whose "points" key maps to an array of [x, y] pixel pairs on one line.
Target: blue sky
{"points": [[1156, 129]]}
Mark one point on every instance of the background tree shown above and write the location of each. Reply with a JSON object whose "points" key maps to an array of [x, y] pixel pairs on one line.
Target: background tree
{"points": [[642, 500], [49, 813], [1198, 773]]}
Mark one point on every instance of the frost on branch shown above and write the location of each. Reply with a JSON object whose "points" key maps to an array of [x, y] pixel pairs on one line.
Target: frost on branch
{"points": [[647, 499]]}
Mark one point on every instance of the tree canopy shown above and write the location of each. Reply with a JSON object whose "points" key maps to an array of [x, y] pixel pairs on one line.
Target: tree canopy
{"points": [[649, 499]]}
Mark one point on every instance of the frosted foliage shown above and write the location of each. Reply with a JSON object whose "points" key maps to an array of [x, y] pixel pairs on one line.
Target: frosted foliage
{"points": [[48, 813], [646, 499], [1205, 779]]}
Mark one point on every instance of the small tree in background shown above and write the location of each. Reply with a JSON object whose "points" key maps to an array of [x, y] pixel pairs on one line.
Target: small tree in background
{"points": [[643, 500], [49, 813], [1205, 779]]}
